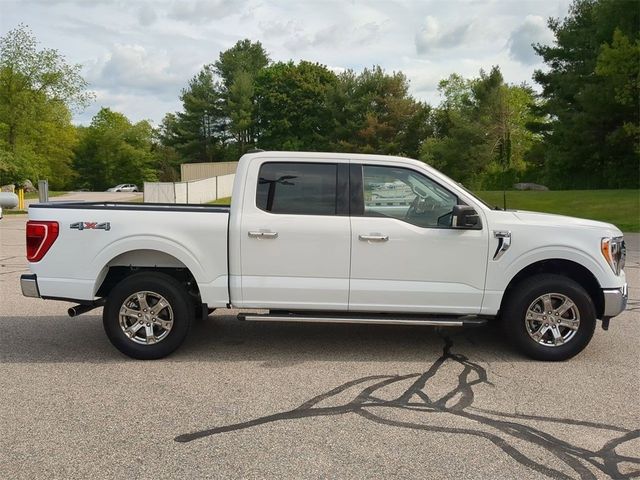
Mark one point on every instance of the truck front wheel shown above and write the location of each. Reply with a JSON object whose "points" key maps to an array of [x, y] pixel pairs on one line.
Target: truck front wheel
{"points": [[549, 317], [147, 315]]}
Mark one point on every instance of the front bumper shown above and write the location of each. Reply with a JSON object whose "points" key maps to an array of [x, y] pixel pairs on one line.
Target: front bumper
{"points": [[29, 285], [615, 301]]}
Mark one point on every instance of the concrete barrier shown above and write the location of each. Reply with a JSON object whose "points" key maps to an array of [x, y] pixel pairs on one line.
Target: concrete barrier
{"points": [[198, 191], [225, 185], [182, 192], [199, 171], [159, 192]]}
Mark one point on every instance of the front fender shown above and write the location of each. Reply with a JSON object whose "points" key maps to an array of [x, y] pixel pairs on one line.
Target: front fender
{"points": [[500, 273], [558, 252]]}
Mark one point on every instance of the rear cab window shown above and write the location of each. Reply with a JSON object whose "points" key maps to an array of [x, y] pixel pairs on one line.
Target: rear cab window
{"points": [[297, 188]]}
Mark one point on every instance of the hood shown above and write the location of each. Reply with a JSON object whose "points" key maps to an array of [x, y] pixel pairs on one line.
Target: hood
{"points": [[550, 219]]}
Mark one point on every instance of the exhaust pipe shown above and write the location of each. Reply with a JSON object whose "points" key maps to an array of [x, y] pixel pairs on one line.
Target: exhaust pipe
{"points": [[86, 307]]}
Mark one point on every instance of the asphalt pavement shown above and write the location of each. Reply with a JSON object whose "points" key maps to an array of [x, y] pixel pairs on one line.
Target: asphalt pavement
{"points": [[243, 400]]}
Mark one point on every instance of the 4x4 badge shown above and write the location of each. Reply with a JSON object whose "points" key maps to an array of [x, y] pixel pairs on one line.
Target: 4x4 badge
{"points": [[91, 226]]}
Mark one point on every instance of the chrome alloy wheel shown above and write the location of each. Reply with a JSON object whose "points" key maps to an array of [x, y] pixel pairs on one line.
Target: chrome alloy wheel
{"points": [[552, 319], [146, 317]]}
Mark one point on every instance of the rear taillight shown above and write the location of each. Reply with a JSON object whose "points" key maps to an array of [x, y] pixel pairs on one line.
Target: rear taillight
{"points": [[40, 237]]}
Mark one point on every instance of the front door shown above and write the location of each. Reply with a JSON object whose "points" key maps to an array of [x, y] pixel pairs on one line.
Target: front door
{"points": [[295, 236], [406, 257]]}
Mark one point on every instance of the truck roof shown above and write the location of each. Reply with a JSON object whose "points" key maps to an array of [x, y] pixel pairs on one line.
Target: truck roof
{"points": [[363, 157], [328, 155]]}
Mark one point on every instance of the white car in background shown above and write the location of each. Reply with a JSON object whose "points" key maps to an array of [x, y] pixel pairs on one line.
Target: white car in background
{"points": [[124, 187]]}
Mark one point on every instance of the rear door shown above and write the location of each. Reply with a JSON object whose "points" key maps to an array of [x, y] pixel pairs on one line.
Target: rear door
{"points": [[295, 235]]}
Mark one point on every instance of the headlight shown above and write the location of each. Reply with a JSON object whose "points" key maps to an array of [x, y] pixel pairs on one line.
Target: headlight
{"points": [[614, 252]]}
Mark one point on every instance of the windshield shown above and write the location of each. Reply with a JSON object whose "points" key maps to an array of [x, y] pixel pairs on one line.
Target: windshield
{"points": [[493, 207], [430, 189], [475, 197]]}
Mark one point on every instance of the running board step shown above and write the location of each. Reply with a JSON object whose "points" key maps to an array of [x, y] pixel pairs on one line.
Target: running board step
{"points": [[358, 319]]}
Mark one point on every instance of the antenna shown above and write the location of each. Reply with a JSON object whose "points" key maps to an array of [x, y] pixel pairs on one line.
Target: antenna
{"points": [[506, 162]]}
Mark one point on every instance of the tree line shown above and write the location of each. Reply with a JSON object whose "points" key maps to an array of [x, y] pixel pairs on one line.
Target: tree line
{"points": [[581, 131]]}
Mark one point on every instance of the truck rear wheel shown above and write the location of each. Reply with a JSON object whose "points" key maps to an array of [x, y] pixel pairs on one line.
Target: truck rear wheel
{"points": [[549, 317], [147, 315]]}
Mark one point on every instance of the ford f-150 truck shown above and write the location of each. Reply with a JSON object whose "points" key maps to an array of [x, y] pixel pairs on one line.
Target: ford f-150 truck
{"points": [[330, 237]]}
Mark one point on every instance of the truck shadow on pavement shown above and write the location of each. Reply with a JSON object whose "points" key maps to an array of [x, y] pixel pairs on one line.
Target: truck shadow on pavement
{"points": [[59, 339], [511, 433]]}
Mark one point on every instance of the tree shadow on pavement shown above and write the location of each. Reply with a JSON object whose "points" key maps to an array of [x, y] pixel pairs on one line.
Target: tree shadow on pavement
{"points": [[512, 433]]}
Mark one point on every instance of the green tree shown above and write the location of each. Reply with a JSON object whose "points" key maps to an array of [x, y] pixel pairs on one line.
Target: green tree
{"points": [[374, 113], [245, 56], [293, 112], [480, 130], [241, 111], [591, 96], [38, 89], [198, 133], [112, 150], [217, 121], [454, 146], [166, 158], [237, 69], [619, 64]]}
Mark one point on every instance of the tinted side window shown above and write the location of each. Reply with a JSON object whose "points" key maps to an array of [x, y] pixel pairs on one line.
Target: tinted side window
{"points": [[406, 195], [297, 188]]}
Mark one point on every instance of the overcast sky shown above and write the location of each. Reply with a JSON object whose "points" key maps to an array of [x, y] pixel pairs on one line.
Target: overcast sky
{"points": [[138, 54]]}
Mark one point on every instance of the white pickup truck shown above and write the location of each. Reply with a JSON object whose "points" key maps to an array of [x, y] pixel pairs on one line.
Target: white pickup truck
{"points": [[328, 237]]}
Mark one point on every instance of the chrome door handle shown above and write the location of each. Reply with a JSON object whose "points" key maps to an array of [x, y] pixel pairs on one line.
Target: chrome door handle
{"points": [[263, 235], [374, 238]]}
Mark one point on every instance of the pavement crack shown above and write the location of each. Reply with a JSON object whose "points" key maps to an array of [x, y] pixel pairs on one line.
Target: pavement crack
{"points": [[507, 431]]}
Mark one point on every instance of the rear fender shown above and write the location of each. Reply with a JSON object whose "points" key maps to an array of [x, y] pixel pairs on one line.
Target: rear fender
{"points": [[146, 243]]}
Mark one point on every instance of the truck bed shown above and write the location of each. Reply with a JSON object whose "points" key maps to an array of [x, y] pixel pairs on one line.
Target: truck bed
{"points": [[96, 236], [173, 207]]}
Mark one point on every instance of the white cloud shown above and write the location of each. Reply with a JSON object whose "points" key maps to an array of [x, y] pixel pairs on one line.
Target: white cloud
{"points": [[426, 37], [134, 68], [277, 28], [147, 15], [203, 11], [533, 30], [149, 106], [139, 54], [432, 36]]}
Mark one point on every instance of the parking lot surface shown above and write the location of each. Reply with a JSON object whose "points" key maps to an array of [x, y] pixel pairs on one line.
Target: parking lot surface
{"points": [[243, 400]]}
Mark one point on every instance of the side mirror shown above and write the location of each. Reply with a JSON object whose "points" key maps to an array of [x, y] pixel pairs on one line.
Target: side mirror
{"points": [[464, 216]]}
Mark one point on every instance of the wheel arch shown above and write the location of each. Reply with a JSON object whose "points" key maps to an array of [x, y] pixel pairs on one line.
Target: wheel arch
{"points": [[144, 259], [567, 268]]}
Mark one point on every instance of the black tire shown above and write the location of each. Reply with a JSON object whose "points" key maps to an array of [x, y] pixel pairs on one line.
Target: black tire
{"points": [[199, 313], [518, 326], [156, 285]]}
